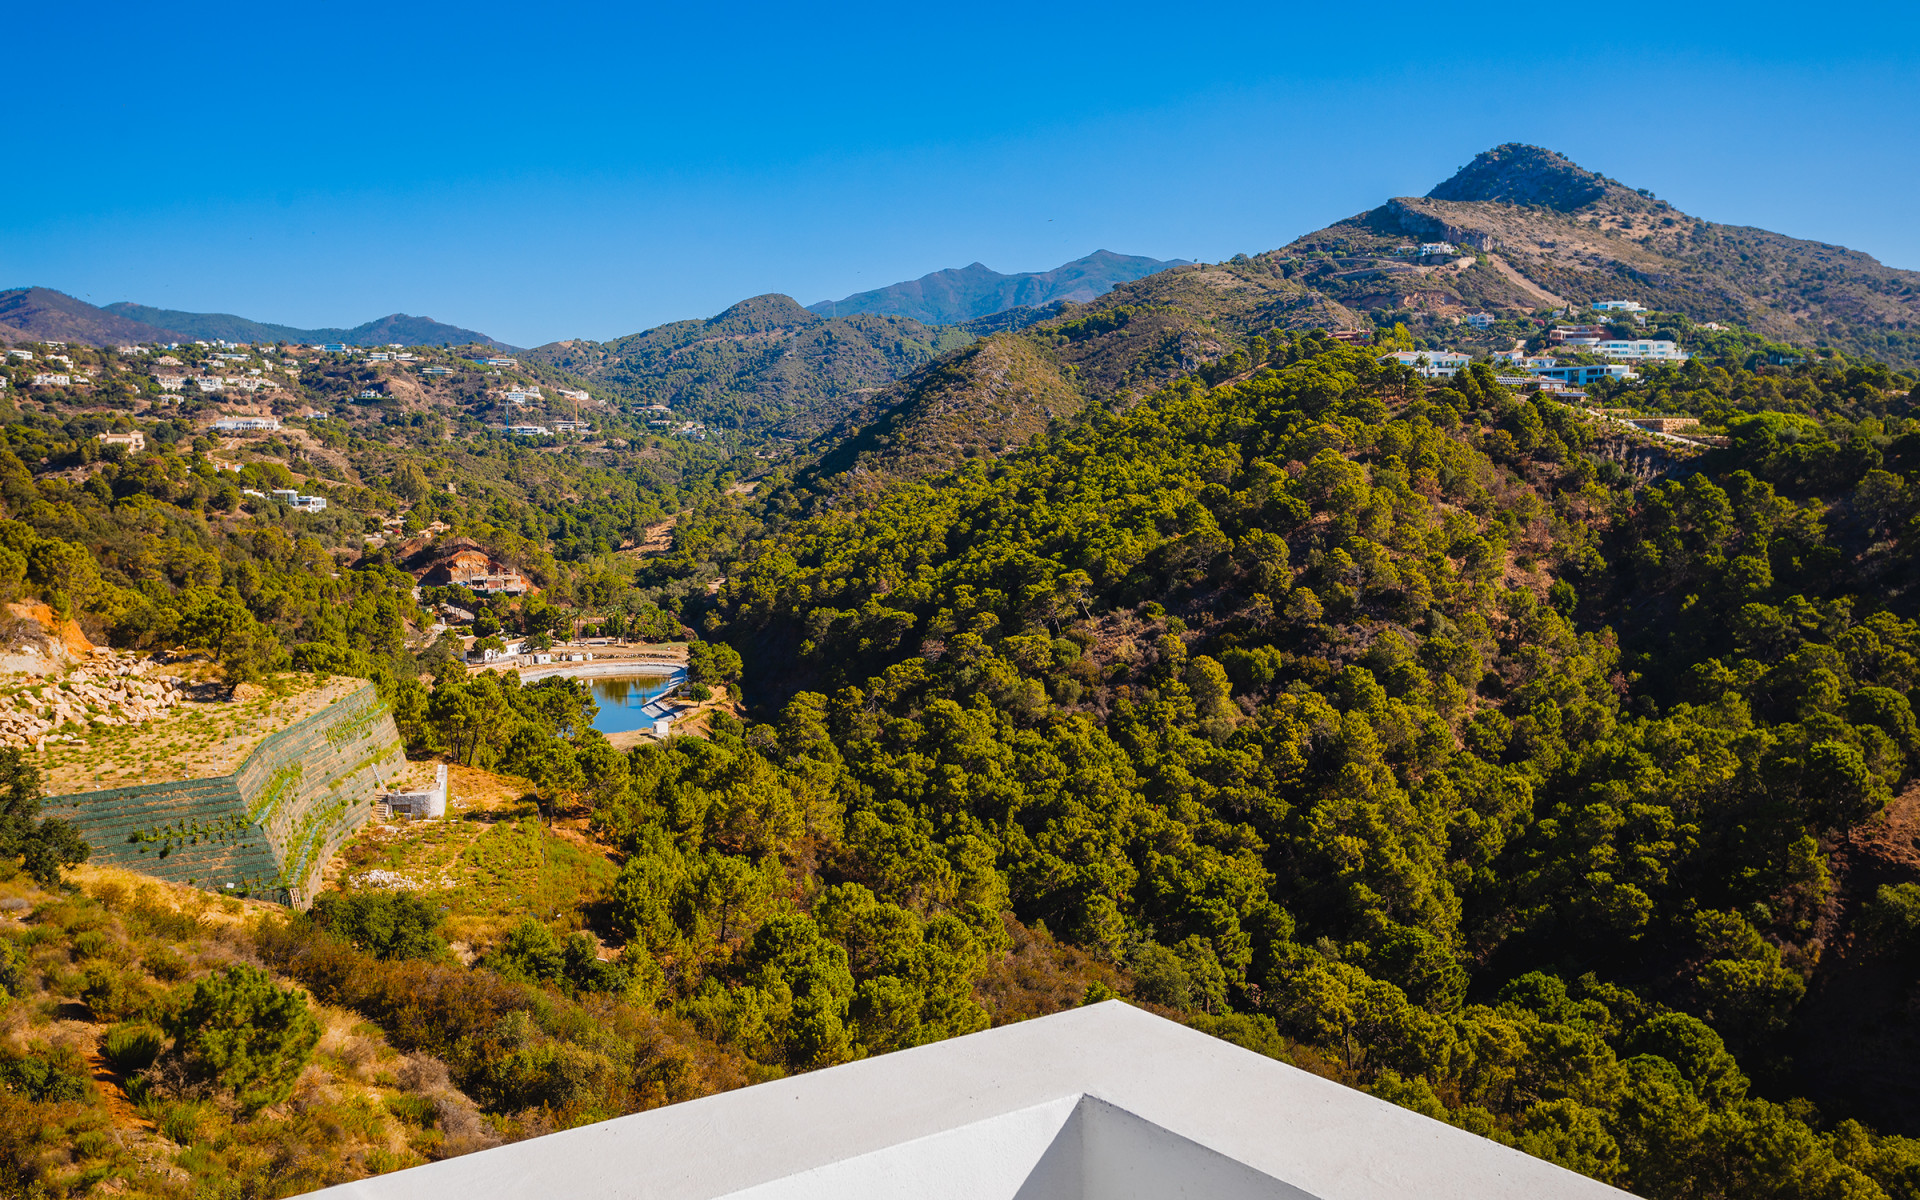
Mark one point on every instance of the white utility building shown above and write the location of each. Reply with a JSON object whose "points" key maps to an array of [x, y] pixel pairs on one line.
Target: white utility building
{"points": [[1100, 1103], [432, 802]]}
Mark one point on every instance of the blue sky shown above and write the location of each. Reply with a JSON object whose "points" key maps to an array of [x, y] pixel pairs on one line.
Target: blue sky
{"points": [[540, 172]]}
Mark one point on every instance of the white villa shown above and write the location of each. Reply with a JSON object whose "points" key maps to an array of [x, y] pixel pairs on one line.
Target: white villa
{"points": [[1430, 364], [1663, 350]]}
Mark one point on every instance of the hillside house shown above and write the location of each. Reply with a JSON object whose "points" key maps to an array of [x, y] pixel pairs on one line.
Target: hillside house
{"points": [[1577, 335], [246, 425], [1625, 306], [1430, 364], [513, 649], [1582, 374], [465, 563], [436, 370], [132, 441], [336, 347], [1437, 250], [1350, 337], [1479, 320], [572, 427], [570, 394], [529, 431], [498, 362], [26, 355], [1660, 350], [48, 379], [380, 356], [292, 498]]}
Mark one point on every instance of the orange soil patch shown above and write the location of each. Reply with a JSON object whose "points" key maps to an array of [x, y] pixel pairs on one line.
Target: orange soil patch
{"points": [[67, 631]]}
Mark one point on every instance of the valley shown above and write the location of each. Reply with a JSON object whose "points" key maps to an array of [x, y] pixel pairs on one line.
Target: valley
{"points": [[1468, 653]]}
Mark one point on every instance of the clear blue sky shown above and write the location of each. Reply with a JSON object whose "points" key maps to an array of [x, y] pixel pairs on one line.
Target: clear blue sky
{"points": [[547, 171]]}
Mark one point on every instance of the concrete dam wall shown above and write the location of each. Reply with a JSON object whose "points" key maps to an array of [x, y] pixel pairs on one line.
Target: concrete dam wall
{"points": [[267, 828]]}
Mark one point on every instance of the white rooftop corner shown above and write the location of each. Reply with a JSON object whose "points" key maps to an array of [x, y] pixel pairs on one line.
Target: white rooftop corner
{"points": [[1101, 1103]]}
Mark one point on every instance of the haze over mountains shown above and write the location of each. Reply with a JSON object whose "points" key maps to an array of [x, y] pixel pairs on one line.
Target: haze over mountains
{"points": [[969, 293], [42, 314], [396, 327]]}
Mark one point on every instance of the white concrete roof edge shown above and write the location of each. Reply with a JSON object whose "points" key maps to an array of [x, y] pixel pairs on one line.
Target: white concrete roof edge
{"points": [[898, 1112]]}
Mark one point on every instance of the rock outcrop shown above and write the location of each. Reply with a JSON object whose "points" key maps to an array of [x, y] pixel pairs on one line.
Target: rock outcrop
{"points": [[111, 689]]}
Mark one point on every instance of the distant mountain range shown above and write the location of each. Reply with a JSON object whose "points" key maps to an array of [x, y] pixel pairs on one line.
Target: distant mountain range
{"points": [[955, 295], [396, 327], [42, 314]]}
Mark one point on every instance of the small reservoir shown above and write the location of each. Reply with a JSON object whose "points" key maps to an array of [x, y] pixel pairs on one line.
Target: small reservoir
{"points": [[625, 700]]}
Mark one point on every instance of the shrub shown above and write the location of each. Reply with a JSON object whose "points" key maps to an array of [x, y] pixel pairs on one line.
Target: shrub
{"points": [[385, 925], [1160, 977], [113, 994], [131, 1048], [12, 969], [242, 1032], [529, 953], [49, 1074]]}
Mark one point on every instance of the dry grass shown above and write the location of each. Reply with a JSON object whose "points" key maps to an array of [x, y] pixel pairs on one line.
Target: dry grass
{"points": [[491, 861], [193, 741]]}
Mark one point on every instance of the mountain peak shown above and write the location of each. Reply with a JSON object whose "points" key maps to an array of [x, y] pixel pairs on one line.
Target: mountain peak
{"points": [[774, 310], [1520, 174]]}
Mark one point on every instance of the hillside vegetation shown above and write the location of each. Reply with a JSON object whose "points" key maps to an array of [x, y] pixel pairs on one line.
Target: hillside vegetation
{"points": [[1544, 775], [1400, 719]]}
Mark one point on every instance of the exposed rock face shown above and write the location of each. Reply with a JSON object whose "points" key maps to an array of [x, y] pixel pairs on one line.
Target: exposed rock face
{"points": [[111, 690], [1521, 174], [1416, 223]]}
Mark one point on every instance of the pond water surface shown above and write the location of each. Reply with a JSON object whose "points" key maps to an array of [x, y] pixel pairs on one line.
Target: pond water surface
{"points": [[622, 698]]}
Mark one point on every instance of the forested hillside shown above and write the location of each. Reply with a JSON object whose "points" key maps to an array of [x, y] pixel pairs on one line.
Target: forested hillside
{"points": [[765, 365], [1400, 719], [1412, 733], [1547, 775]]}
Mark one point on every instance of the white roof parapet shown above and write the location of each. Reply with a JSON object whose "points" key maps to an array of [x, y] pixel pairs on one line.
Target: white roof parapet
{"points": [[1100, 1103]]}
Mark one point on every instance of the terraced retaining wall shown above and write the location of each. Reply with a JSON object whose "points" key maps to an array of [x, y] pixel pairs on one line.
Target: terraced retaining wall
{"points": [[267, 829]]}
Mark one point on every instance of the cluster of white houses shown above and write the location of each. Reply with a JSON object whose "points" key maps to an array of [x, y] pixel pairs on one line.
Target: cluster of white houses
{"points": [[1589, 339], [1445, 364]]}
